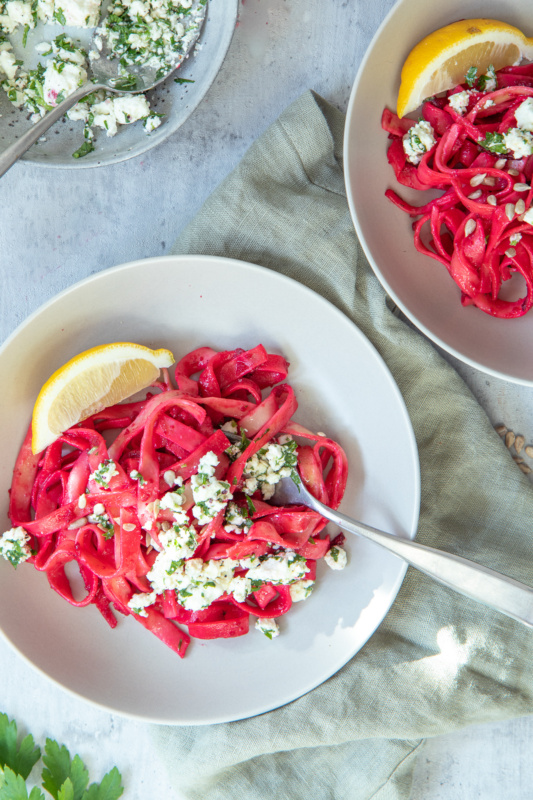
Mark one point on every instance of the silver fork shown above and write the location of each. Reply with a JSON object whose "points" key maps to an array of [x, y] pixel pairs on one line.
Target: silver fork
{"points": [[510, 597]]}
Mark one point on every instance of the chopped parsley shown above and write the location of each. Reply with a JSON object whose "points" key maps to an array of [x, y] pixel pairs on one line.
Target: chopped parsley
{"points": [[471, 76], [494, 143]]}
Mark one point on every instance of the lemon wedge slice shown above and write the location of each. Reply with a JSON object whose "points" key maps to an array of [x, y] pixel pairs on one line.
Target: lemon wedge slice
{"points": [[441, 60], [90, 382]]}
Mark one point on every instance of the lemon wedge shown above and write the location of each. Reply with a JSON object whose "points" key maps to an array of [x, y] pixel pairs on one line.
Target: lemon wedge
{"points": [[90, 382], [441, 60]]}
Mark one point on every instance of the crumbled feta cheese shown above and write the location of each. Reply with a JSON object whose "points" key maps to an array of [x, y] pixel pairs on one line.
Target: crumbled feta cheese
{"points": [[140, 601], [230, 426], [268, 466], [301, 590], [135, 475], [172, 501], [155, 33], [102, 520], [240, 588], [488, 82], [524, 115], [210, 495], [519, 142], [15, 13], [459, 101], [14, 546], [285, 568], [197, 583], [336, 558], [105, 472], [418, 140], [267, 626], [236, 519], [170, 478], [8, 62]]}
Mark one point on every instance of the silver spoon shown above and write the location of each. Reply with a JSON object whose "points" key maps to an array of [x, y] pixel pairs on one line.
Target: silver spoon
{"points": [[105, 75], [472, 580]]}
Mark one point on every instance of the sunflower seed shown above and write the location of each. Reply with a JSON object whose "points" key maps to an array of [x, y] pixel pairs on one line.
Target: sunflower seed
{"points": [[519, 443], [528, 450], [475, 195], [470, 227], [500, 164], [520, 206], [491, 200], [478, 179], [513, 172], [78, 523], [509, 211], [525, 469], [509, 439], [501, 430], [521, 187]]}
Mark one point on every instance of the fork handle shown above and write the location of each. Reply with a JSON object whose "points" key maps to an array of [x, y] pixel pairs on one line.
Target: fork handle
{"points": [[510, 597], [12, 153]]}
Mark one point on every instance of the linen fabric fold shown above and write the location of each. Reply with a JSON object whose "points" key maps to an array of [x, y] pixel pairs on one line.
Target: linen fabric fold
{"points": [[438, 662]]}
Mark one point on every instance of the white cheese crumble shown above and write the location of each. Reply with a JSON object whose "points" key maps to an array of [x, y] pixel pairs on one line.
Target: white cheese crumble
{"points": [[153, 33], [418, 140], [237, 519], [15, 13], [519, 142], [268, 466], [210, 495], [301, 590], [140, 601], [524, 115], [460, 100], [267, 626], [71, 13], [336, 558], [284, 568], [197, 583], [104, 473], [14, 546]]}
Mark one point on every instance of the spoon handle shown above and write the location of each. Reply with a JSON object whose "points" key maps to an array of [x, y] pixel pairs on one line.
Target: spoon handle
{"points": [[473, 580], [19, 146]]}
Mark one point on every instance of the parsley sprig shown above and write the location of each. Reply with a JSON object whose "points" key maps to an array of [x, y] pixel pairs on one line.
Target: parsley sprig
{"points": [[63, 777]]}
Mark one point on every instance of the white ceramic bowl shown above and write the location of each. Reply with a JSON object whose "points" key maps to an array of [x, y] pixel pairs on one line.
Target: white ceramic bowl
{"points": [[182, 303], [419, 285], [176, 101]]}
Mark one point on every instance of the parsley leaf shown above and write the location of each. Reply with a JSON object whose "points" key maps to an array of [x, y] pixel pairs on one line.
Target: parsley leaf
{"points": [[13, 787], [109, 788], [493, 142], [471, 76], [58, 768], [22, 758], [86, 147]]}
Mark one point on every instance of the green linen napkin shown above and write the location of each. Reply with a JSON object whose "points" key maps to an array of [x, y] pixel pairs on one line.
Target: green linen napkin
{"points": [[438, 662]]}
